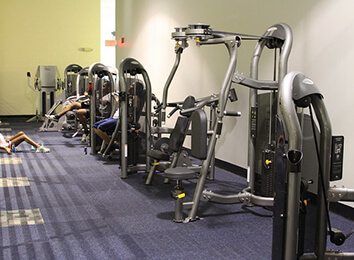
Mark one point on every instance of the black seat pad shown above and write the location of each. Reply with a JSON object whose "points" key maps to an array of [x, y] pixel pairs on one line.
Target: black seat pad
{"points": [[179, 173]]}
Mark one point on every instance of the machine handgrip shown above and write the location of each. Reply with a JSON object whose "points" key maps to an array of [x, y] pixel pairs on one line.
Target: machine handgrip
{"points": [[232, 113], [199, 105], [172, 112], [185, 112]]}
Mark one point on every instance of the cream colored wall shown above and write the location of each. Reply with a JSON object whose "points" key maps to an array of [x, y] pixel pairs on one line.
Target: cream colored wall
{"points": [[322, 50], [43, 32]]}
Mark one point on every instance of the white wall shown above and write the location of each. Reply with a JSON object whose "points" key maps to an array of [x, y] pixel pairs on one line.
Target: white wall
{"points": [[322, 35], [108, 25]]}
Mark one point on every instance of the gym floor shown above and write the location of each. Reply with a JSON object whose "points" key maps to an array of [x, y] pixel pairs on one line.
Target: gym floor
{"points": [[69, 205]]}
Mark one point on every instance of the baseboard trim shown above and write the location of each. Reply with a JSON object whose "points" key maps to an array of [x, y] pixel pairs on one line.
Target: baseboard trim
{"points": [[342, 210], [231, 168]]}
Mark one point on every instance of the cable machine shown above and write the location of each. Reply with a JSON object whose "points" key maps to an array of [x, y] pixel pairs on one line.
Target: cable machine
{"points": [[296, 92], [278, 36], [71, 74], [46, 82], [282, 155], [96, 73], [128, 68]]}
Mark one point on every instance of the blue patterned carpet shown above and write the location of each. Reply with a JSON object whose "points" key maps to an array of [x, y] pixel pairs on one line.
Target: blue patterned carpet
{"points": [[89, 212]]}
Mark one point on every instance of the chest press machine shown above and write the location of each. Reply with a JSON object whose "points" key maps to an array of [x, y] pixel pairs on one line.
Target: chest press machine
{"points": [[283, 155]]}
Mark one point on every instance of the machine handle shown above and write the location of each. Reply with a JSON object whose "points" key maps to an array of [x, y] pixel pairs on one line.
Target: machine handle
{"points": [[173, 111], [232, 113]]}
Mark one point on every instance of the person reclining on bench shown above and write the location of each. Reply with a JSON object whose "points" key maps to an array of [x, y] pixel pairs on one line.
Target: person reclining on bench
{"points": [[18, 138], [83, 109], [105, 128]]}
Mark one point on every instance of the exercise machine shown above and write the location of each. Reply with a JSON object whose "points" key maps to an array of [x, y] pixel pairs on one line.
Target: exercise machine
{"points": [[71, 73], [276, 37], [96, 74], [163, 150], [283, 153], [129, 131], [181, 43], [46, 83], [71, 119], [69, 90], [297, 92]]}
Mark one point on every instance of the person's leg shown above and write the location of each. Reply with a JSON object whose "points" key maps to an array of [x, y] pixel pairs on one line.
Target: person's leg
{"points": [[74, 105], [105, 128], [7, 149], [95, 126], [105, 137], [17, 138], [81, 114], [20, 137], [16, 135]]}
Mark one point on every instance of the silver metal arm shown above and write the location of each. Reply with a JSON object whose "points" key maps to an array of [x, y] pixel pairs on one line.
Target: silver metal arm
{"points": [[242, 197], [168, 83], [181, 43], [253, 83], [279, 31], [82, 73], [288, 112], [325, 160], [217, 129], [336, 194]]}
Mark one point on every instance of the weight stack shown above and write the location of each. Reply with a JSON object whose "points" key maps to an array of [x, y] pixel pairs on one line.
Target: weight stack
{"points": [[267, 176]]}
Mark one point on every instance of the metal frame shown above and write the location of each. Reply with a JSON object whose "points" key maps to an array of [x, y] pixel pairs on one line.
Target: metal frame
{"points": [[95, 72], [292, 89], [203, 36], [82, 75], [278, 34], [72, 70], [45, 86], [181, 38], [130, 66]]}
